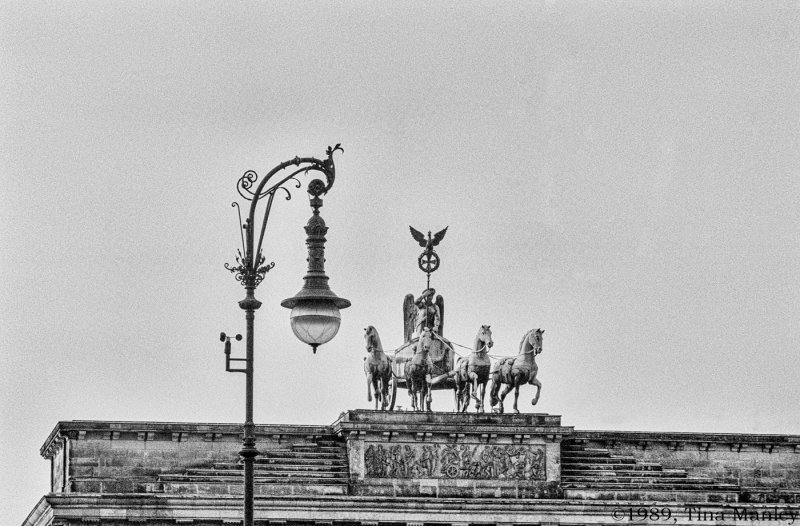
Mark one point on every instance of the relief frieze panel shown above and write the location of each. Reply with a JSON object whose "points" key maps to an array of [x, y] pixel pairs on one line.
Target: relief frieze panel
{"points": [[455, 461]]}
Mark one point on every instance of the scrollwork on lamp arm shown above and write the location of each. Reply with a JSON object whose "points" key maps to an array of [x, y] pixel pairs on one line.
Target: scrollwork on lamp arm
{"points": [[250, 270]]}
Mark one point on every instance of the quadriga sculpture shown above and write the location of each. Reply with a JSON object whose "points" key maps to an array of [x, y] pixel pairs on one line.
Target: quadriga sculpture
{"points": [[517, 371], [378, 368]]}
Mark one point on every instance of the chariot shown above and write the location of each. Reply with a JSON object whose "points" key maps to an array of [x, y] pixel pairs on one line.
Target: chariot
{"points": [[440, 353]]}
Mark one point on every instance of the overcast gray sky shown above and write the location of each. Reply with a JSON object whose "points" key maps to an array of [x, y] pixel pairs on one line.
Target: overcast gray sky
{"points": [[623, 175]]}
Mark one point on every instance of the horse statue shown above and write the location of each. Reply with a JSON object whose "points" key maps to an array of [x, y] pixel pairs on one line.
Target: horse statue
{"points": [[471, 373], [378, 368], [461, 376], [479, 365], [518, 370], [418, 372]]}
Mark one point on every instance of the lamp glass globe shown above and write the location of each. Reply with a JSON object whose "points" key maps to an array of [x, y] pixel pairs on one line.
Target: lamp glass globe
{"points": [[315, 322]]}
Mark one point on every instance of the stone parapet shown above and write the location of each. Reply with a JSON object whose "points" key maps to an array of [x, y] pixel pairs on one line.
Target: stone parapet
{"points": [[762, 467], [169, 432], [426, 455], [405, 422], [453, 454], [701, 441], [152, 457]]}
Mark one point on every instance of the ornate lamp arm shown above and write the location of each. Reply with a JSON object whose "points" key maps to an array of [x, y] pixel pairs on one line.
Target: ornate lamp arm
{"points": [[250, 270], [315, 314]]}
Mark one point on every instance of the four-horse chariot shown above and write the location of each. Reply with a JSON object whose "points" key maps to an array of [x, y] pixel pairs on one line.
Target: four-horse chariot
{"points": [[426, 361]]}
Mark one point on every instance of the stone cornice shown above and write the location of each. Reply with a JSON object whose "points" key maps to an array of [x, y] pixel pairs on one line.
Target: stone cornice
{"points": [[361, 421], [365, 510], [170, 431], [645, 437], [42, 513], [364, 422]]}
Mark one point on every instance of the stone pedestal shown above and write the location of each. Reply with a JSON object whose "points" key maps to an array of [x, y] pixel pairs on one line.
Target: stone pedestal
{"points": [[406, 454]]}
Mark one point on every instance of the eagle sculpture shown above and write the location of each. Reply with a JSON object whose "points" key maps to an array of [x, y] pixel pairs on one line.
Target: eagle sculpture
{"points": [[430, 242]]}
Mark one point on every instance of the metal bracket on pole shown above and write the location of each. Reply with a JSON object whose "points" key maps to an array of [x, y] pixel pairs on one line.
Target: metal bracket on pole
{"points": [[227, 339]]}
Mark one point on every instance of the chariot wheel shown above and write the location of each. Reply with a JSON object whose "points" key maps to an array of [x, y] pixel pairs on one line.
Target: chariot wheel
{"points": [[428, 261], [393, 393]]}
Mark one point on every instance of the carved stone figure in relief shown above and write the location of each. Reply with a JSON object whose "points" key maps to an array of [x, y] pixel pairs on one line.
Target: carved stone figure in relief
{"points": [[428, 461], [516, 371], [455, 461]]}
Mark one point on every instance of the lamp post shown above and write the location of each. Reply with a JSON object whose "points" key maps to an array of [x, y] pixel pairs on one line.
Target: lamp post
{"points": [[315, 309]]}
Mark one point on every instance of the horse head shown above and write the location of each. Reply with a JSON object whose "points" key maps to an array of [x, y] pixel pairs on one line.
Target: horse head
{"points": [[373, 340], [425, 342], [532, 341], [483, 340]]}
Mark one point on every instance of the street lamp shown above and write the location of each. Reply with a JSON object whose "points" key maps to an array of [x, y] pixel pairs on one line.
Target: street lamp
{"points": [[315, 309]]}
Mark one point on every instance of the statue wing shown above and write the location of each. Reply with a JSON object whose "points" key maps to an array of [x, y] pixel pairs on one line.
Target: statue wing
{"points": [[419, 237], [439, 236], [409, 315], [440, 305]]}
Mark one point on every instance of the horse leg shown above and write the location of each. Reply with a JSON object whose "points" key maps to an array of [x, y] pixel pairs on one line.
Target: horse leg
{"points": [[376, 388], [428, 398], [473, 380], [493, 399], [482, 397], [428, 390], [384, 392], [516, 393], [369, 384], [538, 385], [506, 390], [420, 390]]}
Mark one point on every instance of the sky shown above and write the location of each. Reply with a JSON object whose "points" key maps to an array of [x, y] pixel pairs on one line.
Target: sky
{"points": [[623, 175]]}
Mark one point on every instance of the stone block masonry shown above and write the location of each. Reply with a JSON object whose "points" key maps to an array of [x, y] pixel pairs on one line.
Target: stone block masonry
{"points": [[395, 468], [764, 468]]}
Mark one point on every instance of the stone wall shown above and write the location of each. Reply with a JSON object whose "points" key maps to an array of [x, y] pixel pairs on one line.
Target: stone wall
{"points": [[128, 457], [766, 467], [406, 454]]}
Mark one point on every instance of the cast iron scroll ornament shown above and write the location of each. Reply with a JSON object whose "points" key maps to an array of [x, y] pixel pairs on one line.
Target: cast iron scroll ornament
{"points": [[250, 269]]}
